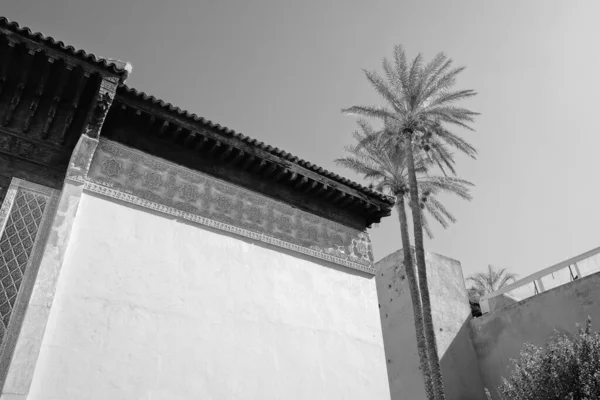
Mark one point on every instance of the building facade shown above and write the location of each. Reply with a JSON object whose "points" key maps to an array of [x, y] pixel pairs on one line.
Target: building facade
{"points": [[146, 252], [476, 353], [451, 315]]}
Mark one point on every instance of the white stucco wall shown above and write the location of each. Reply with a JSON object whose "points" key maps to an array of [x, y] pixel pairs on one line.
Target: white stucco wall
{"points": [[150, 307], [450, 312]]}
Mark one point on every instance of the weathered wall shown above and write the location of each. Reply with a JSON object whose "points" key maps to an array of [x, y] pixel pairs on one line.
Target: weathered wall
{"points": [[501, 301], [450, 313], [152, 307], [499, 336], [395, 306]]}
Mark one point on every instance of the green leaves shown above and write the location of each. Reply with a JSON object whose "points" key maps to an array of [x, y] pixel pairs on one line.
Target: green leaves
{"points": [[491, 280], [417, 94], [380, 158], [565, 368]]}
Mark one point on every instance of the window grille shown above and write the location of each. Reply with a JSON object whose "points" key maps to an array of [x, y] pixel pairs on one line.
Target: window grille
{"points": [[23, 215]]}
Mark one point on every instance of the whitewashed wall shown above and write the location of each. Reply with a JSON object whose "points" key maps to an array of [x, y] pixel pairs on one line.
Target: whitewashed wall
{"points": [[451, 314], [150, 307]]}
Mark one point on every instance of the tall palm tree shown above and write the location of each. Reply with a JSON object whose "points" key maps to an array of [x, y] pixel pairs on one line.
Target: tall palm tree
{"points": [[385, 166], [420, 103], [493, 279]]}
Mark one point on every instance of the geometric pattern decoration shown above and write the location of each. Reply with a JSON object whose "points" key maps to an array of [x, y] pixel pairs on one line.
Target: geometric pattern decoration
{"points": [[21, 216], [135, 177]]}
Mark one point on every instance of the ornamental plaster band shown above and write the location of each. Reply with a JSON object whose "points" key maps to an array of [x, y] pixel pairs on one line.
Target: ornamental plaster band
{"points": [[132, 176]]}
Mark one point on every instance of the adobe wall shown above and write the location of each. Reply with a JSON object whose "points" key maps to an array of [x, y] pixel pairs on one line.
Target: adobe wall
{"points": [[499, 336], [151, 306], [450, 312]]}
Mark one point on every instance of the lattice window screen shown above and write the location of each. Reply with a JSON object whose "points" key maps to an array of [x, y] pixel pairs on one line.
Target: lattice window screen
{"points": [[22, 214]]}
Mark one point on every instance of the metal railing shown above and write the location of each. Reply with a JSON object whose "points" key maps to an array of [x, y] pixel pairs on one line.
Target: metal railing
{"points": [[546, 279]]}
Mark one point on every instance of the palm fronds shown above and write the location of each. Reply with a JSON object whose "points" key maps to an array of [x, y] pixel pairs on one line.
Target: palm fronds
{"points": [[376, 157], [493, 279], [421, 99]]}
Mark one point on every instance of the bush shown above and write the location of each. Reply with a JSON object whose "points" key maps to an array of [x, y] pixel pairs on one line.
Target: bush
{"points": [[566, 368]]}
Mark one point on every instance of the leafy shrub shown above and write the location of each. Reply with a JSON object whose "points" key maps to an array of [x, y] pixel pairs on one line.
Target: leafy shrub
{"points": [[564, 369]]}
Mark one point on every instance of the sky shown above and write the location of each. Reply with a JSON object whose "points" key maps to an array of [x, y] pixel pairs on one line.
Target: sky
{"points": [[280, 71]]}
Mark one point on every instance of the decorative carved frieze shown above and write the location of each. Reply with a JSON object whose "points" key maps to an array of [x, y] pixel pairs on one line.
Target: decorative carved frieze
{"points": [[31, 150], [135, 177]]}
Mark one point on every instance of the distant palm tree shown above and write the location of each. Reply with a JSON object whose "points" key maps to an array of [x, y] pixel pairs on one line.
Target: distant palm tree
{"points": [[420, 103], [385, 166], [493, 279]]}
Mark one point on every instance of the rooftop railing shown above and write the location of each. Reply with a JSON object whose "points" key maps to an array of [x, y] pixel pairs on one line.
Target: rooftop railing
{"points": [[546, 279]]}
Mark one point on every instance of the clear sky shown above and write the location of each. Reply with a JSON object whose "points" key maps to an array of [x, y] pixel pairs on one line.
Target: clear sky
{"points": [[280, 71]]}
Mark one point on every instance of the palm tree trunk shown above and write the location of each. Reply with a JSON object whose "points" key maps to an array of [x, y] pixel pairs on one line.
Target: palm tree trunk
{"points": [[413, 287], [434, 360]]}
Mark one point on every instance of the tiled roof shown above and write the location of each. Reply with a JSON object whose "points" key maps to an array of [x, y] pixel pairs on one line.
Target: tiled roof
{"points": [[117, 67], [258, 144]]}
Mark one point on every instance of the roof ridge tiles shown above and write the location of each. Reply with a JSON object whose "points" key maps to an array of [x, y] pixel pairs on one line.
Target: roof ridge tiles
{"points": [[254, 142], [120, 68]]}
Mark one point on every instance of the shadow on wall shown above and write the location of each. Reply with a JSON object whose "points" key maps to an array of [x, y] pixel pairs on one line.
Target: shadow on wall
{"points": [[460, 370], [451, 314], [499, 336]]}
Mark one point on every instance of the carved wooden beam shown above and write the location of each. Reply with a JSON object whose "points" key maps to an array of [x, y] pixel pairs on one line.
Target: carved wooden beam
{"points": [[74, 104], [202, 143], [339, 196], [371, 208], [312, 186], [178, 132], [214, 148], [150, 123], [329, 193], [16, 99], [38, 93], [7, 60], [259, 166], [282, 172], [292, 177], [124, 115], [225, 155], [190, 138], [162, 130], [58, 92], [248, 162], [356, 204], [301, 182], [238, 157], [119, 112], [270, 169], [322, 189], [347, 201]]}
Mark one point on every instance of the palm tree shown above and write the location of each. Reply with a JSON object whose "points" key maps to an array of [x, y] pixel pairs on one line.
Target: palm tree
{"points": [[493, 279], [385, 167], [420, 103]]}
